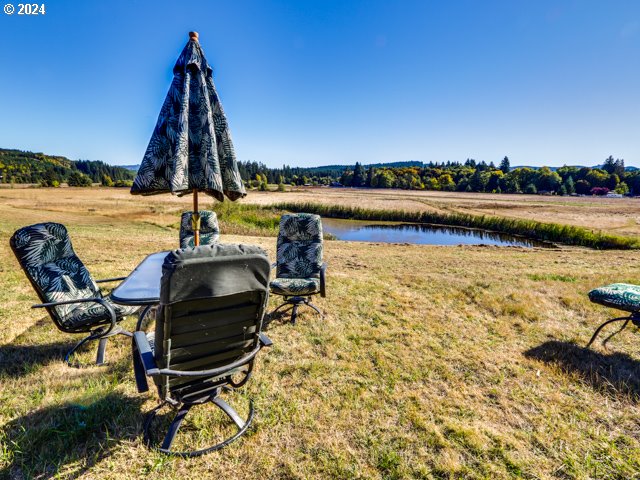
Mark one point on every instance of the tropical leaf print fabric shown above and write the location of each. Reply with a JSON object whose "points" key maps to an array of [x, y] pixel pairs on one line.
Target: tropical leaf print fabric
{"points": [[295, 286], [299, 255], [46, 255], [622, 296], [209, 230], [191, 148]]}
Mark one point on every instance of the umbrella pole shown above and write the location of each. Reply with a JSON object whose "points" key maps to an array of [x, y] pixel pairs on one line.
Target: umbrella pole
{"points": [[195, 220]]}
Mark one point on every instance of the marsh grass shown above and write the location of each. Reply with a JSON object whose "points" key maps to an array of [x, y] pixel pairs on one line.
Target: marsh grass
{"points": [[247, 219], [534, 230], [430, 363]]}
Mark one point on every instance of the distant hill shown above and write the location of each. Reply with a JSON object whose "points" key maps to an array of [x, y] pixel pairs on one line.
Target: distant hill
{"points": [[19, 166], [133, 168], [553, 169], [409, 163]]}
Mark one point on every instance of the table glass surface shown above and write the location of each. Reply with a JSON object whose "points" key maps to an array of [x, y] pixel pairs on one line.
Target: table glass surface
{"points": [[142, 286]]}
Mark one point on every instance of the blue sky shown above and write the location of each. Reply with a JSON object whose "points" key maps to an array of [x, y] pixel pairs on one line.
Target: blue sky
{"points": [[323, 82]]}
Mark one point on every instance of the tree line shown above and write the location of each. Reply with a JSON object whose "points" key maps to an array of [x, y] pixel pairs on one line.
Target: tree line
{"points": [[17, 166], [470, 176]]}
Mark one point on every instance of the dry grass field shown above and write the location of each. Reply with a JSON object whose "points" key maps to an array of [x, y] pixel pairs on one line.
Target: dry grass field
{"points": [[431, 362]]}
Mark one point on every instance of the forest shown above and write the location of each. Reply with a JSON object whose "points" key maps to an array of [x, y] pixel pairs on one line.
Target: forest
{"points": [[470, 176], [17, 166]]}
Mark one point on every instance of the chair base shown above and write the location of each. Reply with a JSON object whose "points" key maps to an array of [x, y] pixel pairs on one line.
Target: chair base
{"points": [[634, 318], [183, 410], [292, 304], [102, 345]]}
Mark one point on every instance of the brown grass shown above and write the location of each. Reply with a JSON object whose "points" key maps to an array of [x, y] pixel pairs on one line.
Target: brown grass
{"points": [[431, 362]]}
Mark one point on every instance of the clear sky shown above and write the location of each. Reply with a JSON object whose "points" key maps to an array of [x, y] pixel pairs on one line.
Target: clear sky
{"points": [[334, 82]]}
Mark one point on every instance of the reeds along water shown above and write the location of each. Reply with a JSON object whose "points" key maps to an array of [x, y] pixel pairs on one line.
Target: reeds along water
{"points": [[546, 232]]}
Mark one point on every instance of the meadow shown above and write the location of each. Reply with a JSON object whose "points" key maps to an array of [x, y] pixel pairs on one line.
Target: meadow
{"points": [[430, 362]]}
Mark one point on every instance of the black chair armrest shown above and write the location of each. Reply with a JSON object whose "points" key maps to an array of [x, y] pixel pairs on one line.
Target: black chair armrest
{"points": [[143, 361], [265, 341], [101, 301], [323, 285], [214, 372], [115, 279]]}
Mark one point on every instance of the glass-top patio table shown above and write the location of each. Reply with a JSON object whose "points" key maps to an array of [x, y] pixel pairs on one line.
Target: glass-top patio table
{"points": [[142, 286]]}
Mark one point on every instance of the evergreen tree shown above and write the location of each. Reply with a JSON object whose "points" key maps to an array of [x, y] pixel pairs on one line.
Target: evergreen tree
{"points": [[619, 167], [569, 185], [358, 176], [609, 165], [476, 182], [370, 175], [505, 166]]}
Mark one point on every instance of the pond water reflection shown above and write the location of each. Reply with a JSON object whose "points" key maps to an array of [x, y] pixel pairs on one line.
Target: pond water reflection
{"points": [[425, 234]]}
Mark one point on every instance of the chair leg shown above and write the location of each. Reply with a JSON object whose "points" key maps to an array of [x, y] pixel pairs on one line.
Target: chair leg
{"points": [[76, 347], [173, 428], [102, 346], [595, 334], [294, 314], [309, 304], [165, 448]]}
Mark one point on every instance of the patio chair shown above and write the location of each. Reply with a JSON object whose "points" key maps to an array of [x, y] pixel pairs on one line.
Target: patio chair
{"points": [[300, 271], [207, 334], [621, 296], [209, 230], [66, 289]]}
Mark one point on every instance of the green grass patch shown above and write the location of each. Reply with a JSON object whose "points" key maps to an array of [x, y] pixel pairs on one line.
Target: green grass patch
{"points": [[556, 277], [531, 229], [245, 219]]}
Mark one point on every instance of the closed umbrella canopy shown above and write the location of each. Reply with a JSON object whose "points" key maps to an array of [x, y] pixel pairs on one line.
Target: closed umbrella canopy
{"points": [[191, 148]]}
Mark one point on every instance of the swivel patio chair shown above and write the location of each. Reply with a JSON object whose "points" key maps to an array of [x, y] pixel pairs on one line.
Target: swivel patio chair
{"points": [[65, 287], [209, 229], [621, 296], [300, 271], [207, 334]]}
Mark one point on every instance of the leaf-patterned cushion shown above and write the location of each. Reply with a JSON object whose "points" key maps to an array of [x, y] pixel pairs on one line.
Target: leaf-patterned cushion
{"points": [[209, 230], [191, 148], [622, 296], [299, 249], [47, 257], [295, 286]]}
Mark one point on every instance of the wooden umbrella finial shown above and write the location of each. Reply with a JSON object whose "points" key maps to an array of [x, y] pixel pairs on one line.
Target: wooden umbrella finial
{"points": [[193, 36]]}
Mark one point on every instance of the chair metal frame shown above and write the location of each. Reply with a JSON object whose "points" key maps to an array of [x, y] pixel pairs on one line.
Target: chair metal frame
{"points": [[634, 317], [145, 365], [293, 302], [100, 332]]}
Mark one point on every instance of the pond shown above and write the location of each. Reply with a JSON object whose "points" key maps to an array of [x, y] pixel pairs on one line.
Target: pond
{"points": [[424, 234]]}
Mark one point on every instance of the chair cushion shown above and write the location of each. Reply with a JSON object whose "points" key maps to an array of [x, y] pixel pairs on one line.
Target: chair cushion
{"points": [[295, 286], [93, 313], [209, 229], [299, 248], [622, 296]]}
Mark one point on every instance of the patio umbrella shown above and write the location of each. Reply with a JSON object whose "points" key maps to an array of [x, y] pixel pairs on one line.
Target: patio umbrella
{"points": [[190, 150]]}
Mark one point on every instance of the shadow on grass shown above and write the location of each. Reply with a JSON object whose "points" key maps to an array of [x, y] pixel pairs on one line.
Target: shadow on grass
{"points": [[17, 360], [66, 441], [616, 373], [24, 352]]}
